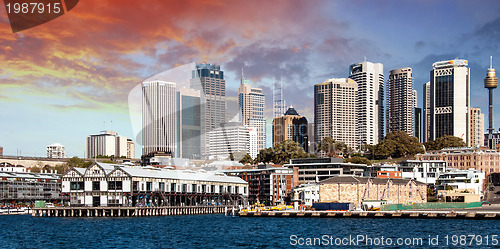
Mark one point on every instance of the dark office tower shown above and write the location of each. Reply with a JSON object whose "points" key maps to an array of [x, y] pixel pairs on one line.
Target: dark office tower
{"points": [[418, 124], [209, 79]]}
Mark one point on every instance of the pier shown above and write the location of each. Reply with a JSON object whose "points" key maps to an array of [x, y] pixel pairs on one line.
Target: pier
{"points": [[126, 211], [377, 214]]}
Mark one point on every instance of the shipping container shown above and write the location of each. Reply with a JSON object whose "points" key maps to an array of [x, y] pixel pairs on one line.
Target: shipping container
{"points": [[332, 206]]}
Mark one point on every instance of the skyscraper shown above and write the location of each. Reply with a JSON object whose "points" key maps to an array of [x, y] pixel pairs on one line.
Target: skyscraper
{"points": [[188, 123], [209, 79], [449, 100], [291, 126], [370, 100], [335, 111], [426, 136], [476, 127], [401, 101], [158, 117], [252, 106]]}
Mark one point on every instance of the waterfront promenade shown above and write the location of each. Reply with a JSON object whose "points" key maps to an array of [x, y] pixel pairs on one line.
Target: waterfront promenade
{"points": [[417, 214], [125, 211]]}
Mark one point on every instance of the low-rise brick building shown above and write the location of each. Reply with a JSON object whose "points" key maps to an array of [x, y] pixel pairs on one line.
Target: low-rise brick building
{"points": [[354, 189]]}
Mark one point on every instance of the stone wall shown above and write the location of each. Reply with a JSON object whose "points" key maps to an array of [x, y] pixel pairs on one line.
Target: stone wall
{"points": [[357, 192]]}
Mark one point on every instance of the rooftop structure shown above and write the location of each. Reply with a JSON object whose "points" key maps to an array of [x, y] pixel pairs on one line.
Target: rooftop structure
{"points": [[314, 170]]}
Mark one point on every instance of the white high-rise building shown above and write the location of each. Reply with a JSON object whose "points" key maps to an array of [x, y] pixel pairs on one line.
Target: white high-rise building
{"points": [[449, 100], [158, 117], [335, 111], [401, 101], [55, 151], [227, 139], [108, 143], [252, 106], [370, 79]]}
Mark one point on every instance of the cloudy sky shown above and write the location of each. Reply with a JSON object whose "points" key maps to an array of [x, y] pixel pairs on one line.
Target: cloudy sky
{"points": [[69, 78]]}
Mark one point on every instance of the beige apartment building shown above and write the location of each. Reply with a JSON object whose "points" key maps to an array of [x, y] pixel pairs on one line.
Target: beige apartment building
{"points": [[480, 158], [335, 111], [476, 127]]}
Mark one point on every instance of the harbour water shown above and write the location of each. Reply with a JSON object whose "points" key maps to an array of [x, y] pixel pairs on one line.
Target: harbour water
{"points": [[219, 231]]}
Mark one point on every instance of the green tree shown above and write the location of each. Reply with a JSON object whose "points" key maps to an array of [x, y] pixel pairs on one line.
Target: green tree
{"points": [[265, 155], [445, 141], [333, 148], [247, 159], [78, 163], [281, 153], [397, 144], [358, 159]]}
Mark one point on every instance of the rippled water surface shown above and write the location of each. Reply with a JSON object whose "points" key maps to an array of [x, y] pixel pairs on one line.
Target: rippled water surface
{"points": [[219, 231]]}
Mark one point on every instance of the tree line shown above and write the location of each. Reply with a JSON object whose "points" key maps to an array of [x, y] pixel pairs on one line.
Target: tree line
{"points": [[396, 144]]}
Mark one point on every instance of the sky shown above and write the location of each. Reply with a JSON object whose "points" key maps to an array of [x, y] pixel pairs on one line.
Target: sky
{"points": [[69, 78]]}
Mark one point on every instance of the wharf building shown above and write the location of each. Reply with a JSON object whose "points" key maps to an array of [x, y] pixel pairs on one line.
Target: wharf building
{"points": [[476, 127], [188, 124], [336, 111], [110, 144], [267, 185], [18, 186], [252, 102], [158, 117], [104, 184], [291, 126], [209, 79], [56, 151], [480, 158], [358, 190], [401, 101], [370, 101], [314, 170], [227, 139], [448, 101]]}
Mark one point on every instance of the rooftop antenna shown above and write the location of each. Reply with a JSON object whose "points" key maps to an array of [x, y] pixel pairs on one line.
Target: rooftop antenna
{"points": [[491, 62]]}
